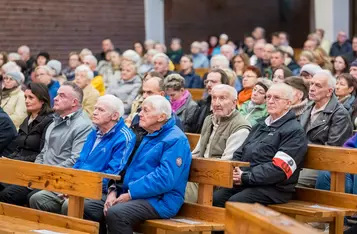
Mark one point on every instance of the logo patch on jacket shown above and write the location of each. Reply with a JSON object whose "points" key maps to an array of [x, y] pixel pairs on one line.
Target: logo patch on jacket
{"points": [[179, 161]]}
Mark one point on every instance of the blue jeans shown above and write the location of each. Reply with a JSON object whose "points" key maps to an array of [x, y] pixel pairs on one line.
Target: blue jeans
{"points": [[324, 181]]}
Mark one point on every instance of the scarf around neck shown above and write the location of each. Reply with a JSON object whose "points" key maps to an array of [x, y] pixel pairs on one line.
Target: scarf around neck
{"points": [[177, 104], [244, 95]]}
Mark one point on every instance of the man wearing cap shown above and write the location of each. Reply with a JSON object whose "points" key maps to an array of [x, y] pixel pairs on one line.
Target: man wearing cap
{"points": [[353, 69], [308, 71], [300, 95], [83, 78], [325, 121], [199, 59], [12, 97]]}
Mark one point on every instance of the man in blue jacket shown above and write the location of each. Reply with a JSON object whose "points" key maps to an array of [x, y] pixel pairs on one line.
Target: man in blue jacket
{"points": [[106, 150], [153, 181]]}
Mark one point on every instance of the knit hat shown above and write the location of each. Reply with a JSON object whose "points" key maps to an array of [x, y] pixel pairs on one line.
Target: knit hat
{"points": [[264, 83], [310, 68], [43, 54], [298, 83], [56, 66], [354, 63], [17, 76]]}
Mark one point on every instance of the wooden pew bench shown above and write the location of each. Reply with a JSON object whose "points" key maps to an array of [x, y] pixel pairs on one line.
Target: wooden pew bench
{"points": [[313, 205], [201, 71], [197, 94], [76, 184], [246, 218]]}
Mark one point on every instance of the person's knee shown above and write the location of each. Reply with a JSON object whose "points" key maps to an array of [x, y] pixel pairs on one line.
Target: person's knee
{"points": [[64, 209], [323, 180], [114, 215], [35, 201]]}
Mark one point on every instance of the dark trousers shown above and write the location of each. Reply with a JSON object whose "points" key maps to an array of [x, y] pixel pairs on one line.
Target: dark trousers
{"points": [[16, 195], [120, 218], [352, 230]]}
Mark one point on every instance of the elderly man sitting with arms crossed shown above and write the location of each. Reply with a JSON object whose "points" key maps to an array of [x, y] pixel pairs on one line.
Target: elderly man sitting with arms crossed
{"points": [[275, 149], [153, 184], [108, 145]]}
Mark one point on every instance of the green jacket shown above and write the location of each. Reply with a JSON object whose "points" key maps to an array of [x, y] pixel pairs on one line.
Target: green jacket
{"points": [[253, 114]]}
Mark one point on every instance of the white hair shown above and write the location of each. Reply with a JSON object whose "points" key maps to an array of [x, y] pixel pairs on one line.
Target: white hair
{"points": [[331, 80], [196, 44], [114, 103], [228, 47], [85, 68], [46, 68], [229, 89], [150, 42], [132, 56], [152, 52], [220, 59], [13, 56], [286, 90], [162, 55], [93, 60], [24, 48], [11, 67], [85, 52], [269, 46], [160, 104]]}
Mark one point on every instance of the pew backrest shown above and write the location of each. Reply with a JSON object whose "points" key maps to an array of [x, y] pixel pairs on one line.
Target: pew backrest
{"points": [[197, 94]]}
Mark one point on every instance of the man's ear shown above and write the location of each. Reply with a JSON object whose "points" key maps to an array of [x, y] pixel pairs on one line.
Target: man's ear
{"points": [[162, 118], [115, 116]]}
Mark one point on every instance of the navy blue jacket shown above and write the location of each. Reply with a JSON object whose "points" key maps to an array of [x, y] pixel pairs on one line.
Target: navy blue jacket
{"points": [[7, 134], [192, 80]]}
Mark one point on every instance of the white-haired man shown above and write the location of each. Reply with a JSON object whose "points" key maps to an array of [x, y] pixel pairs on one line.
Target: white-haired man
{"points": [[97, 81], [199, 59], [83, 78], [110, 135], [275, 149], [219, 62], [227, 51], [25, 53], [153, 182], [326, 121], [161, 64]]}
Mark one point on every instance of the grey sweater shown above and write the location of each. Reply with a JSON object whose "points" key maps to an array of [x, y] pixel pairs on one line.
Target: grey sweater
{"points": [[64, 140]]}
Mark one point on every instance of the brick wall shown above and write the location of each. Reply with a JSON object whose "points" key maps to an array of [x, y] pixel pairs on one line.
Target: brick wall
{"points": [[196, 19], [69, 25]]}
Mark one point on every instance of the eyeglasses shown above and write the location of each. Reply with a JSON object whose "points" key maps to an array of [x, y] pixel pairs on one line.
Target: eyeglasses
{"points": [[7, 78], [211, 81], [275, 98], [249, 76]]}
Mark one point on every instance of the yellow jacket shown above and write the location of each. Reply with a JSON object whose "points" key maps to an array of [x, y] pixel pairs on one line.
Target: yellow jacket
{"points": [[98, 84]]}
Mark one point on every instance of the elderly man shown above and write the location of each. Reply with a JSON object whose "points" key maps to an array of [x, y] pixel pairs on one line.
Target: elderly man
{"points": [[43, 74], [83, 78], [341, 46], [111, 136], [227, 51], [214, 77], [24, 52], [97, 81], [258, 55], [161, 64], [275, 149], [199, 59], [326, 121], [154, 179], [310, 45], [219, 62], [64, 138]]}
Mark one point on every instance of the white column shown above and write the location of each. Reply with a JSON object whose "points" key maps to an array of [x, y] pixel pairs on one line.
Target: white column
{"points": [[332, 16], [154, 20]]}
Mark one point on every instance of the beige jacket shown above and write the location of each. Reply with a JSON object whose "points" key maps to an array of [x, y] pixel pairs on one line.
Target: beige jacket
{"points": [[14, 105], [90, 97]]}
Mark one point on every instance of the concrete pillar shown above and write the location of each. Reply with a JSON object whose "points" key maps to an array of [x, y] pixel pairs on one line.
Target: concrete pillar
{"points": [[332, 16], [154, 20]]}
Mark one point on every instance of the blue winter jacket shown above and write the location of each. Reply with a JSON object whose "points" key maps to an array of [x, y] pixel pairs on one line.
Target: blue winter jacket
{"points": [[52, 90], [110, 154], [159, 170]]}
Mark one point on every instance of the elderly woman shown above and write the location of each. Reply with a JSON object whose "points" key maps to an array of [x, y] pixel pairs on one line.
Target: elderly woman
{"points": [[192, 80], [111, 73], [306, 57], [300, 94], [250, 78], [12, 97], [128, 87], [148, 63], [180, 98], [43, 75], [83, 78], [240, 63], [275, 149], [31, 137], [280, 73], [255, 108], [346, 87]]}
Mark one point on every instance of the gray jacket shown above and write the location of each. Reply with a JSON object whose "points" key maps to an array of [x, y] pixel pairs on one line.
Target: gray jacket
{"points": [[126, 90], [332, 127], [187, 111], [64, 140]]}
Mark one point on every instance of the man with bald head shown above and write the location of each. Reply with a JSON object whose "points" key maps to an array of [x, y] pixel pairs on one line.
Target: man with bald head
{"points": [[341, 46], [25, 53], [310, 45]]}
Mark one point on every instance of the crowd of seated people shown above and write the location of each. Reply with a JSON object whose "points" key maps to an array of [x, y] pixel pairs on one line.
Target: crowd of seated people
{"points": [[127, 112]]}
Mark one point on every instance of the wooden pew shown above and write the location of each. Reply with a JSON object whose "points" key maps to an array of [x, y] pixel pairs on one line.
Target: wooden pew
{"points": [[297, 52], [243, 218], [197, 94], [193, 139], [76, 184], [313, 205], [206, 218], [201, 71]]}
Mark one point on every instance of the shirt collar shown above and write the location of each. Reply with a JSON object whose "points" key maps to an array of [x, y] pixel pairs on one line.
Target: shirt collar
{"points": [[269, 121]]}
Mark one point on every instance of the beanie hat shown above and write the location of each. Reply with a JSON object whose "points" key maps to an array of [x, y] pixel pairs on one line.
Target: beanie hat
{"points": [[17, 76], [298, 83], [310, 68], [354, 63], [56, 66], [43, 54], [287, 72]]}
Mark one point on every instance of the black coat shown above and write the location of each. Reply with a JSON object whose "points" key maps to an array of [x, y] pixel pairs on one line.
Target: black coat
{"points": [[276, 155], [204, 109], [7, 134], [31, 138]]}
